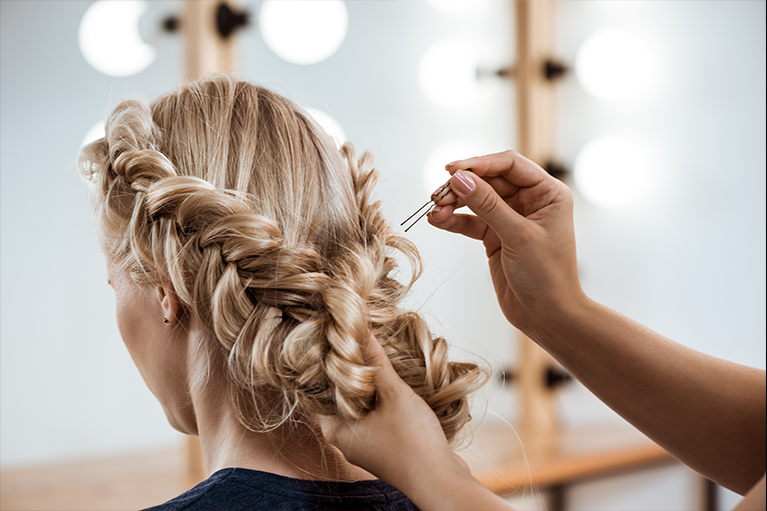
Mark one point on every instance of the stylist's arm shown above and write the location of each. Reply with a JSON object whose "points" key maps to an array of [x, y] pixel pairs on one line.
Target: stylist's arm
{"points": [[708, 412]]}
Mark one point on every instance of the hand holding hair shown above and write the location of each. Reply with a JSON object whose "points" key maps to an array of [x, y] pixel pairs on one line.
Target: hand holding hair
{"points": [[402, 443]]}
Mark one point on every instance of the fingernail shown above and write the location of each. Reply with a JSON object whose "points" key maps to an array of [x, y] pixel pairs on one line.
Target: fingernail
{"points": [[437, 191], [463, 182], [436, 209], [452, 163]]}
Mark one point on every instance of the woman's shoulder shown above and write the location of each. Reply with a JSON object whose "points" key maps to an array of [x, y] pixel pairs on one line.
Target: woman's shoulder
{"points": [[244, 489]]}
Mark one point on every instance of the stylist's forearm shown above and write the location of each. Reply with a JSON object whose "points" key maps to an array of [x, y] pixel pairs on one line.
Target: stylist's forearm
{"points": [[703, 410], [446, 486]]}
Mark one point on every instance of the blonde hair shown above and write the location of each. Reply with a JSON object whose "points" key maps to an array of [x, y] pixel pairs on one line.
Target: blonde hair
{"points": [[270, 235]]}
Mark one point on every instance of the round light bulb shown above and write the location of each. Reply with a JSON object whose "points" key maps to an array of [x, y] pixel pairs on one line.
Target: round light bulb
{"points": [[447, 74], [329, 124], [612, 65], [109, 37], [610, 172], [434, 173], [95, 133], [303, 32]]}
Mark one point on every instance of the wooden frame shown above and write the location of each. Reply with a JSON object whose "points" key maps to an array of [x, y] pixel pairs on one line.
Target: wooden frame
{"points": [[205, 52], [536, 114]]}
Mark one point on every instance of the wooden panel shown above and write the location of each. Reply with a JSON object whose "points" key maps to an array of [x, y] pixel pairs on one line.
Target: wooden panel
{"points": [[536, 97], [499, 462], [205, 50], [536, 109], [122, 482]]}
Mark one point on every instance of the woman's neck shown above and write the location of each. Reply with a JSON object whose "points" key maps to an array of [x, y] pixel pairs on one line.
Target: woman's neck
{"points": [[296, 450]]}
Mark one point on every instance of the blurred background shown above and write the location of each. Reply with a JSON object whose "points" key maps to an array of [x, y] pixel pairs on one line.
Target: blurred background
{"points": [[660, 133]]}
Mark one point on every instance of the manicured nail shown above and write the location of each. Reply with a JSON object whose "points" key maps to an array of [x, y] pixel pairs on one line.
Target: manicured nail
{"points": [[437, 191], [436, 209], [452, 163], [463, 182]]}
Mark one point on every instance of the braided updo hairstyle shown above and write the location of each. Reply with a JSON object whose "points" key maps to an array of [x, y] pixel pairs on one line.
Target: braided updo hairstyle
{"points": [[270, 236]]}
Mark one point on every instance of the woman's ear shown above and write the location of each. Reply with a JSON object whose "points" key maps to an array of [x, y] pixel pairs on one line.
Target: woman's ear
{"points": [[172, 307]]}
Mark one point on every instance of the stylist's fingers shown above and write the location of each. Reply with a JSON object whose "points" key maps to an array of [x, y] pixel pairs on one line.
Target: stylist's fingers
{"points": [[513, 166], [342, 433], [483, 200], [500, 184], [387, 380], [468, 225], [376, 356]]}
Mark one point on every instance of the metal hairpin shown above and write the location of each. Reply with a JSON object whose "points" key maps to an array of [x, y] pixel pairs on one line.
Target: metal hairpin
{"points": [[440, 194]]}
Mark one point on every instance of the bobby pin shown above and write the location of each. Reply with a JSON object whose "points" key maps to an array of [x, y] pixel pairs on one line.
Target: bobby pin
{"points": [[440, 194], [414, 214]]}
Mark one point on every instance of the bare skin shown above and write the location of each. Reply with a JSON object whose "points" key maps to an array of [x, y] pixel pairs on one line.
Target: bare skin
{"points": [[164, 356]]}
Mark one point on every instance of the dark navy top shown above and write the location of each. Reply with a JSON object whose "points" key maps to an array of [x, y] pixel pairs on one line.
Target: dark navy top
{"points": [[233, 489]]}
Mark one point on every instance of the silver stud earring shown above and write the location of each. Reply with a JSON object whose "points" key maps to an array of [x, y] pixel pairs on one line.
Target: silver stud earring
{"points": [[165, 320]]}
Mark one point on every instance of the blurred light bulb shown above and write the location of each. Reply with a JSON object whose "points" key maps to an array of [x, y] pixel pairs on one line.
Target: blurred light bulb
{"points": [[109, 37], [329, 124], [447, 74], [610, 172], [95, 133], [612, 65], [303, 32], [434, 173]]}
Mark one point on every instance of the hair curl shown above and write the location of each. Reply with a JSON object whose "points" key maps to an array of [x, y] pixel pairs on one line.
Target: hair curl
{"points": [[271, 236]]}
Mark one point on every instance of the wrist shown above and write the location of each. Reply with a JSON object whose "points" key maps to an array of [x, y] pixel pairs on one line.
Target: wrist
{"points": [[443, 484], [417, 470], [552, 328]]}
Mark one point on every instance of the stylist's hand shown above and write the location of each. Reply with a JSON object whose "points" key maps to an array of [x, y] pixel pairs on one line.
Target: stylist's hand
{"points": [[525, 220], [402, 443], [398, 436]]}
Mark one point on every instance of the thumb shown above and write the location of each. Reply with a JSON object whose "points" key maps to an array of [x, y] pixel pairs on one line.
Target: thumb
{"points": [[483, 200], [387, 380], [375, 354]]}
